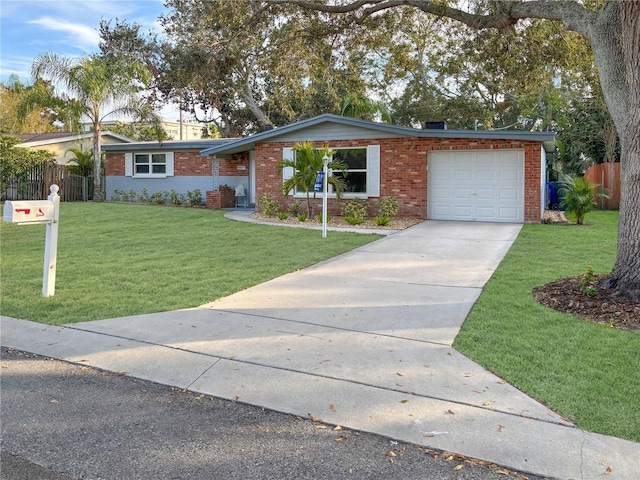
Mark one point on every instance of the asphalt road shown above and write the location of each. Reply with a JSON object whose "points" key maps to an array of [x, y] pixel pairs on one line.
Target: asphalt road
{"points": [[61, 421]]}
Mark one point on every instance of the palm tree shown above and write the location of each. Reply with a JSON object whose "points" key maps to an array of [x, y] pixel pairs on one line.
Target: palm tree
{"points": [[358, 106], [578, 196], [306, 165], [95, 84], [82, 162]]}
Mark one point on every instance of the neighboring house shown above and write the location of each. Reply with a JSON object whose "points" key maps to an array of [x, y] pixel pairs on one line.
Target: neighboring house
{"points": [[60, 142], [473, 175]]}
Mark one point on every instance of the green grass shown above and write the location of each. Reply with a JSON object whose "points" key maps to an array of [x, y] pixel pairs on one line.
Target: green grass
{"points": [[588, 372], [126, 259]]}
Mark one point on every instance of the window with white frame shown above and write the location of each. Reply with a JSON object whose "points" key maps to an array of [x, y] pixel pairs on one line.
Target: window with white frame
{"points": [[150, 164], [363, 169], [355, 160]]}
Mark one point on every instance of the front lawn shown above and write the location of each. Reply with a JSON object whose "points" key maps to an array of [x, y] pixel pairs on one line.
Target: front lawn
{"points": [[588, 372], [125, 259]]}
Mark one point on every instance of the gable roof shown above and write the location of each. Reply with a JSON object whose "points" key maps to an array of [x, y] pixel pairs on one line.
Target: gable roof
{"points": [[169, 145], [248, 143], [52, 138]]}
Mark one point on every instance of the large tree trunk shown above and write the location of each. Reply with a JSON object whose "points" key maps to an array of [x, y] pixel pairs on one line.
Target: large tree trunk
{"points": [[97, 167], [625, 277]]}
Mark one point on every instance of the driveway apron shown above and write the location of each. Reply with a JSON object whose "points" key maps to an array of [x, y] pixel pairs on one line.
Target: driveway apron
{"points": [[362, 340]]}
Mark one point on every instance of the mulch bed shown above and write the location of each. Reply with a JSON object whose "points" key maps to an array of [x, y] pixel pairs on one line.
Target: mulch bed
{"points": [[604, 308]]}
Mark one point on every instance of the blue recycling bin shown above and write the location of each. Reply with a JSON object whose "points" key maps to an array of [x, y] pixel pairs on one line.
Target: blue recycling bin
{"points": [[553, 195]]}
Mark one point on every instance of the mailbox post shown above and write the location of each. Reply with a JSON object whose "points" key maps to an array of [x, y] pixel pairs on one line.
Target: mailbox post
{"points": [[34, 212]]}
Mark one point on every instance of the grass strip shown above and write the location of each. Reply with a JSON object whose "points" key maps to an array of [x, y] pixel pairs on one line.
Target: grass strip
{"points": [[587, 372]]}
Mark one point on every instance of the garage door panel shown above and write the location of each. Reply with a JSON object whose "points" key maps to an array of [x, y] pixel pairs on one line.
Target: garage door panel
{"points": [[476, 186]]}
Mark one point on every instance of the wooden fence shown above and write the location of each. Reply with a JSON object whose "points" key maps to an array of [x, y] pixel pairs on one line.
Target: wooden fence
{"points": [[607, 175], [35, 185]]}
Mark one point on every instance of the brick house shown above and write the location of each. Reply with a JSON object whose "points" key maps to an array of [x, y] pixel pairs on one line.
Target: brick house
{"points": [[496, 176]]}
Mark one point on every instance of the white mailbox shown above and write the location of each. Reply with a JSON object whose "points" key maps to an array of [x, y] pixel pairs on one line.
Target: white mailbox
{"points": [[31, 211]]}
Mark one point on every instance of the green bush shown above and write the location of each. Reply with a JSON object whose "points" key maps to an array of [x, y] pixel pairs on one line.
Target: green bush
{"points": [[283, 215], [329, 217], [302, 217], [578, 196], [157, 198], [355, 211], [388, 207], [270, 206], [295, 208], [382, 220], [143, 196], [195, 197]]}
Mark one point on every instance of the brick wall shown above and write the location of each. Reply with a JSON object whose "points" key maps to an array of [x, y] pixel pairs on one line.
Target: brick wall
{"points": [[114, 164], [403, 171], [189, 164]]}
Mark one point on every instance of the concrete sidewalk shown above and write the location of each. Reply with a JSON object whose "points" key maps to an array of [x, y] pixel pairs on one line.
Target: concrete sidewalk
{"points": [[363, 341]]}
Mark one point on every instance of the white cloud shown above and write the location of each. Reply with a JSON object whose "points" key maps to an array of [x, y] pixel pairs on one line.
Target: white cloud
{"points": [[77, 35]]}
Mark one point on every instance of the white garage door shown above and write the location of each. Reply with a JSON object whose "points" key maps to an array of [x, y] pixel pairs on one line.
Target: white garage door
{"points": [[482, 186]]}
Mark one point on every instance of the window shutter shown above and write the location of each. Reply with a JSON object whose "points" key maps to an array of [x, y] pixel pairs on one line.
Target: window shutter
{"points": [[128, 164], [287, 172], [373, 170], [169, 161]]}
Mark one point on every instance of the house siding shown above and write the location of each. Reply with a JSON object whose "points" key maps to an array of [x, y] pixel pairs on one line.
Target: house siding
{"points": [[403, 171]]}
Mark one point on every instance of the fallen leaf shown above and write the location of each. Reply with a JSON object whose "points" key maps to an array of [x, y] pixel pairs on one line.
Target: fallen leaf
{"points": [[608, 471], [341, 438], [337, 428], [399, 374], [53, 401], [500, 427], [458, 467], [332, 408], [504, 471], [486, 404], [404, 401], [451, 412], [390, 453], [449, 458], [314, 418]]}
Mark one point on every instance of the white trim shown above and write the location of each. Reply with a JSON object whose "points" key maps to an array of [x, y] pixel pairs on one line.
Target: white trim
{"points": [[73, 138], [169, 164], [373, 170], [287, 172], [128, 164]]}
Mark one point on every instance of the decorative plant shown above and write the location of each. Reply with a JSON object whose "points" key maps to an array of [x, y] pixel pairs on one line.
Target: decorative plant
{"points": [[306, 165], [295, 208], [329, 217], [270, 206], [387, 208], [355, 211], [283, 215], [302, 217], [195, 197], [578, 196], [587, 283]]}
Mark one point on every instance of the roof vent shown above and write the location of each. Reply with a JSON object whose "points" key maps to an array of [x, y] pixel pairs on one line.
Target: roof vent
{"points": [[434, 126]]}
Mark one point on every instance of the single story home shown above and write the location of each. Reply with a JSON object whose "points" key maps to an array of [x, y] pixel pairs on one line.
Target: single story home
{"points": [[471, 175], [59, 142]]}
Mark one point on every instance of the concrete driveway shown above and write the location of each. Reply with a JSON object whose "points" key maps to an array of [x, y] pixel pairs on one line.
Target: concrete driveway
{"points": [[362, 340]]}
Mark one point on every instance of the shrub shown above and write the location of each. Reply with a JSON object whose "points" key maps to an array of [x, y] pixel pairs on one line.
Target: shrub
{"points": [[270, 206], [143, 196], [302, 217], [131, 195], [283, 215], [176, 198], [587, 283], [578, 196], [355, 211], [157, 198], [382, 220], [329, 217], [117, 195], [195, 197], [295, 208], [388, 207]]}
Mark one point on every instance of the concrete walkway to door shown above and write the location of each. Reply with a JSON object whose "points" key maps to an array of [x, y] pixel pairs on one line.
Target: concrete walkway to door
{"points": [[362, 340]]}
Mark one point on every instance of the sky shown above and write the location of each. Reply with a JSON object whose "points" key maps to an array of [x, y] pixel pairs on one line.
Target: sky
{"points": [[69, 27]]}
